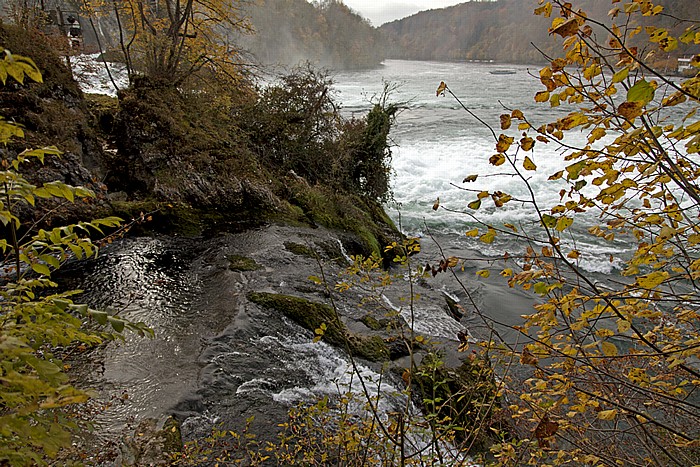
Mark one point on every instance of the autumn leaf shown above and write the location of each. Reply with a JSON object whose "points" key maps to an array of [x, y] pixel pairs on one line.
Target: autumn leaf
{"points": [[441, 89], [630, 110], [642, 91], [556, 176], [528, 164], [497, 159], [505, 121], [485, 273], [470, 178], [504, 143], [436, 205], [488, 237], [564, 28], [527, 143], [527, 358], [609, 349], [607, 414], [651, 280], [542, 96], [564, 223], [621, 75], [574, 254]]}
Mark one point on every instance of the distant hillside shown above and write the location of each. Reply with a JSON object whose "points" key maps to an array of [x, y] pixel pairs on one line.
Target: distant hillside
{"points": [[326, 33], [502, 30]]}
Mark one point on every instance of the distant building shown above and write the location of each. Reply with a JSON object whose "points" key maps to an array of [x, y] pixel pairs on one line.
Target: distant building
{"points": [[684, 66]]}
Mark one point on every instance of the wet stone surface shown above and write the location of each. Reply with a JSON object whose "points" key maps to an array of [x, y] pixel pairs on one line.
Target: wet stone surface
{"points": [[219, 359]]}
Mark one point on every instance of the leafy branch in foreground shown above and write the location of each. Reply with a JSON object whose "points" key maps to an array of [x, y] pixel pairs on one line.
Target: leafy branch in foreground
{"points": [[36, 325], [613, 368]]}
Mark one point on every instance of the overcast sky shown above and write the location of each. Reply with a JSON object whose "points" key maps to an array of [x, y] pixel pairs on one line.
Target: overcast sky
{"points": [[383, 11]]}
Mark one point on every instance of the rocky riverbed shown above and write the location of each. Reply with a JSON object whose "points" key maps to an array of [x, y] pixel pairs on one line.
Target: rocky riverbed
{"points": [[221, 355]]}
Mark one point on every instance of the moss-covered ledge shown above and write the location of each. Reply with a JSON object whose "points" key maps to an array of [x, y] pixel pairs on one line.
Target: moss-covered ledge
{"points": [[310, 315]]}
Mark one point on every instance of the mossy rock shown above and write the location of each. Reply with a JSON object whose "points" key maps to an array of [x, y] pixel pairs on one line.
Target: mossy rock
{"points": [[300, 249], [311, 315], [351, 213], [372, 348], [307, 314], [103, 109], [371, 322], [242, 263]]}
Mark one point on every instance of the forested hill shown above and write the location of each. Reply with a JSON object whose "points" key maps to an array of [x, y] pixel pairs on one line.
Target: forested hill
{"points": [[326, 33], [502, 30]]}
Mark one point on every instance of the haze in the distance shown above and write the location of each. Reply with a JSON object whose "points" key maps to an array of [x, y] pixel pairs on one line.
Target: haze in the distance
{"points": [[383, 11]]}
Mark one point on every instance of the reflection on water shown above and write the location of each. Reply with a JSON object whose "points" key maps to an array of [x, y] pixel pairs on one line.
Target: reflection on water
{"points": [[144, 279]]}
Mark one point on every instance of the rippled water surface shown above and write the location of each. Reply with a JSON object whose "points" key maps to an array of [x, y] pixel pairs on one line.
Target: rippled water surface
{"points": [[438, 144]]}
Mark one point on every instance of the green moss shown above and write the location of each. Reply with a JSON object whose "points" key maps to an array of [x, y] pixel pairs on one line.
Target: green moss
{"points": [[311, 315], [371, 348], [371, 322], [343, 211], [242, 263], [299, 249], [307, 314], [103, 110]]}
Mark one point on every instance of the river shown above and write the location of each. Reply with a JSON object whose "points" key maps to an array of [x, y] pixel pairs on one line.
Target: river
{"points": [[438, 144], [218, 360]]}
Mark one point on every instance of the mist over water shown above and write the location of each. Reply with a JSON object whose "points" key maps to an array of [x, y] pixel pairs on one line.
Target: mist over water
{"points": [[438, 144]]}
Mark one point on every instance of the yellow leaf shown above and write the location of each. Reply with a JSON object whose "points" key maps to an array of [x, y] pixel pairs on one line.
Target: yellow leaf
{"points": [[527, 143], [542, 96], [441, 89], [623, 325], [528, 164], [473, 232], [497, 159], [505, 121], [564, 223], [504, 143], [489, 236], [483, 273], [607, 414], [621, 75], [596, 134], [545, 10], [609, 349], [651, 280], [556, 176], [573, 254], [564, 28]]}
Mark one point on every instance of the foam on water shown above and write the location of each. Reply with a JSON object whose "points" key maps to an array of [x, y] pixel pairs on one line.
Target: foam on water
{"points": [[438, 144], [93, 78]]}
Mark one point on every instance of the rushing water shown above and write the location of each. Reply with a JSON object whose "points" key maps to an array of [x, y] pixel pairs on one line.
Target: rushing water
{"points": [[438, 144]]}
